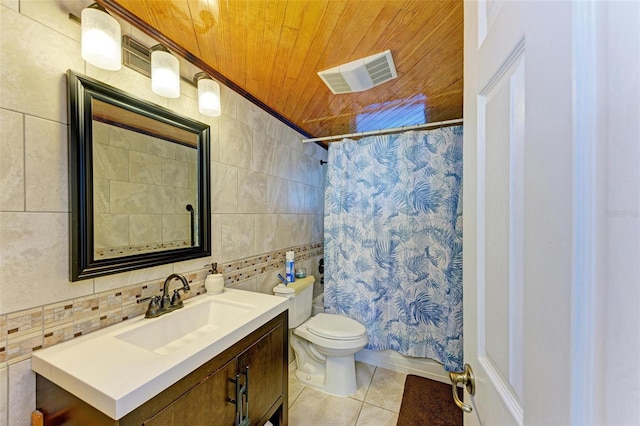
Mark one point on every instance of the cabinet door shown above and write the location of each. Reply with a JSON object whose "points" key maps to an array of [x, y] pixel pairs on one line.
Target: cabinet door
{"points": [[205, 404], [265, 360]]}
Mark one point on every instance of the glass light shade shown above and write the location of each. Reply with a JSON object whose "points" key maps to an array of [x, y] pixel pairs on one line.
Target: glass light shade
{"points": [[101, 39], [165, 74], [208, 97]]}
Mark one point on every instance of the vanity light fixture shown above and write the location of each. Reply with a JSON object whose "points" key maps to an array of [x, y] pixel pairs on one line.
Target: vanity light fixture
{"points": [[101, 38], [208, 95], [165, 72]]}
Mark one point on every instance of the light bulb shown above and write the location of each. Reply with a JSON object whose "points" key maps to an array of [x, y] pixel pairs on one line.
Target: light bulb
{"points": [[101, 39], [165, 73], [208, 97]]}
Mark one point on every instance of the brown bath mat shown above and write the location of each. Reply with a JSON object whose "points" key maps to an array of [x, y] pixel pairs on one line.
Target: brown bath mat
{"points": [[428, 403]]}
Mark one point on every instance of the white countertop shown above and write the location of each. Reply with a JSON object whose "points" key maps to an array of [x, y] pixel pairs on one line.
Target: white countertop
{"points": [[116, 377]]}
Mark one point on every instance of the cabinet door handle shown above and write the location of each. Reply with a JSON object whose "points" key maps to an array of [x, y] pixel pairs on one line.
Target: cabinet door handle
{"points": [[242, 407], [246, 387], [242, 398], [237, 383]]}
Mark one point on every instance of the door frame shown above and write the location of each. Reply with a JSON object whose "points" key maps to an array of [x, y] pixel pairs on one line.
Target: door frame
{"points": [[585, 200], [606, 99]]}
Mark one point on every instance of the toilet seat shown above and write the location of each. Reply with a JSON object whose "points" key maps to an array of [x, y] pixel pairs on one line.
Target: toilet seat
{"points": [[335, 327]]}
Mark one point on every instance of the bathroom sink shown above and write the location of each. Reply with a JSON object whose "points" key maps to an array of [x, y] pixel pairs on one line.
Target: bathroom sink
{"points": [[120, 367], [177, 329]]}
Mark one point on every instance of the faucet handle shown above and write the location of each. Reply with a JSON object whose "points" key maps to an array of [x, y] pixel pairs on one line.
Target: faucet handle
{"points": [[176, 300], [144, 299], [154, 306]]}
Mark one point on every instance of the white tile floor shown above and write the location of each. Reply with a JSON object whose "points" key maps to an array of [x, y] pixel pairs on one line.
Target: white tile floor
{"points": [[376, 402]]}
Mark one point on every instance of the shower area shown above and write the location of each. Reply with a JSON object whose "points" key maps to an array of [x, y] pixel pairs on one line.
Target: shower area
{"points": [[393, 241]]}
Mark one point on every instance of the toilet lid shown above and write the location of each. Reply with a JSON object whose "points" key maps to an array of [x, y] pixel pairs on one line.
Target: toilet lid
{"points": [[335, 327]]}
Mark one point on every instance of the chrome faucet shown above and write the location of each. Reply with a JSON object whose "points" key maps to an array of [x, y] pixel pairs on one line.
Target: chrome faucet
{"points": [[159, 306]]}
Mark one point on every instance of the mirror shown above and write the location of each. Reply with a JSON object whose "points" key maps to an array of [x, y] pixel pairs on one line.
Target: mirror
{"points": [[139, 182]]}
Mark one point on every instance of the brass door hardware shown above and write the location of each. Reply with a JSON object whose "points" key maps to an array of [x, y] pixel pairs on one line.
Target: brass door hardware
{"points": [[466, 378]]}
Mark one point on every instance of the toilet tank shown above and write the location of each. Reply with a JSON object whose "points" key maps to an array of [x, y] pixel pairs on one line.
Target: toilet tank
{"points": [[300, 295], [317, 307]]}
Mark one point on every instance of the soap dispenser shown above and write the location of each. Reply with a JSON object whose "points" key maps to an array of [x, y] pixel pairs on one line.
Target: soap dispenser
{"points": [[214, 283]]}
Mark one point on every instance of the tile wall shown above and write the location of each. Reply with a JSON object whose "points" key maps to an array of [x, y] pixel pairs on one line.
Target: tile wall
{"points": [[267, 197]]}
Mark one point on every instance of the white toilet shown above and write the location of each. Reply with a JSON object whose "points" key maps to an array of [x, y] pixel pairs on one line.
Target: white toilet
{"points": [[325, 344]]}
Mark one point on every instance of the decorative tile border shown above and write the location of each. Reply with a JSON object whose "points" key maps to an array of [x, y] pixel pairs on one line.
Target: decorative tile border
{"points": [[242, 270], [23, 332], [106, 253], [3, 339]]}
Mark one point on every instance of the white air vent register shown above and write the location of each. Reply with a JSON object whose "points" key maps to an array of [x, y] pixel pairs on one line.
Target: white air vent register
{"points": [[361, 74]]}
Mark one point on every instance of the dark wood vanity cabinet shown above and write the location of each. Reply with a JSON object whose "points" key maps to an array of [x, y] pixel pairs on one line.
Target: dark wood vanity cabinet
{"points": [[265, 381], [205, 401], [203, 396]]}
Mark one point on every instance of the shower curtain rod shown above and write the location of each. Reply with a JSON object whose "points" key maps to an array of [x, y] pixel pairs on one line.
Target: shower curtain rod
{"points": [[383, 131]]}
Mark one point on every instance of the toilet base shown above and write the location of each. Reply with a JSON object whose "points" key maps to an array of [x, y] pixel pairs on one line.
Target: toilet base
{"points": [[327, 364], [339, 378], [341, 375]]}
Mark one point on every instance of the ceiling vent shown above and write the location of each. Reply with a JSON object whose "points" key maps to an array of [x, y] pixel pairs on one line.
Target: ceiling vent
{"points": [[361, 74]]}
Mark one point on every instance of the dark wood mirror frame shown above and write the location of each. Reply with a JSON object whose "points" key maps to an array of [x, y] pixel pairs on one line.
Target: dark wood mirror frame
{"points": [[82, 91]]}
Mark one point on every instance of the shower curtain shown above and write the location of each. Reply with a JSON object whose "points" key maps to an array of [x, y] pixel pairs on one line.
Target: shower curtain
{"points": [[393, 241]]}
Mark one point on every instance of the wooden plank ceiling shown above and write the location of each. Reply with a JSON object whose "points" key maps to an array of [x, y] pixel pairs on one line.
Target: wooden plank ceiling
{"points": [[273, 49]]}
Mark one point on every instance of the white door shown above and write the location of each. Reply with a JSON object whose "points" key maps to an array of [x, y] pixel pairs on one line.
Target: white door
{"points": [[531, 207]]}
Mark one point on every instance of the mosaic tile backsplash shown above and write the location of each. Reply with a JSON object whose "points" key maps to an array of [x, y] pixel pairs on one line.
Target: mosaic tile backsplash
{"points": [[23, 332]]}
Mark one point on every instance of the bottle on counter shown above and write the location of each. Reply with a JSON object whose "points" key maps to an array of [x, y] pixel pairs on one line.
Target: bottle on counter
{"points": [[290, 267]]}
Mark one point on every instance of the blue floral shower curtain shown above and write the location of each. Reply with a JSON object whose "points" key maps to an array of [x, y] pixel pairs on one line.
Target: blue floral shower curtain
{"points": [[393, 241]]}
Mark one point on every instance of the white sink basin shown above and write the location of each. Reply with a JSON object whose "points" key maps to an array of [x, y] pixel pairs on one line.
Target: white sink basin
{"points": [[177, 329], [119, 368]]}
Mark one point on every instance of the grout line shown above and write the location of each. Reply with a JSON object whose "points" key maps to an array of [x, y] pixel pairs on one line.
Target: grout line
{"points": [[24, 163], [375, 368], [359, 412], [297, 397]]}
